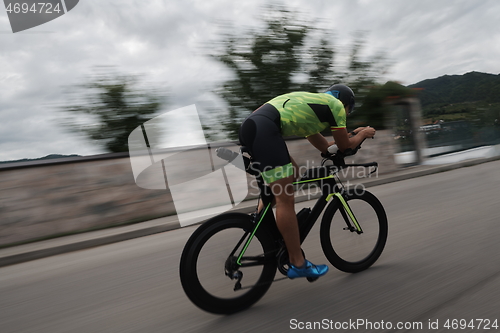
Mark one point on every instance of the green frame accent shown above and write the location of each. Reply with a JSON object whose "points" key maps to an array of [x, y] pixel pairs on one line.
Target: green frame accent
{"points": [[347, 209], [238, 261], [312, 180]]}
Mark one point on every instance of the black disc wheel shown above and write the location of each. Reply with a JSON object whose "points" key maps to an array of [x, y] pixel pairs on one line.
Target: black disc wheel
{"points": [[216, 276]]}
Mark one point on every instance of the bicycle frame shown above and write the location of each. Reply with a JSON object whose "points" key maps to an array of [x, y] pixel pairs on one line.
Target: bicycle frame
{"points": [[330, 187]]}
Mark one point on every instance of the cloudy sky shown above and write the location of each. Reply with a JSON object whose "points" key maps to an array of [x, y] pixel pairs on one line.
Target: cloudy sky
{"points": [[167, 41]]}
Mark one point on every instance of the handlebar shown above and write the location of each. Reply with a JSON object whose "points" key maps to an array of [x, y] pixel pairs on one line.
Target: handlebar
{"points": [[337, 157]]}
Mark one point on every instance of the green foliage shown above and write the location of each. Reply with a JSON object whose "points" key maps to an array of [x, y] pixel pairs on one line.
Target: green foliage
{"points": [[288, 54], [474, 97], [109, 108], [374, 111], [470, 87]]}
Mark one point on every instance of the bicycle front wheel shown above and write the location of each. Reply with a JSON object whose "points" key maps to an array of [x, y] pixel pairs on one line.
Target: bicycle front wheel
{"points": [[345, 246], [215, 276]]}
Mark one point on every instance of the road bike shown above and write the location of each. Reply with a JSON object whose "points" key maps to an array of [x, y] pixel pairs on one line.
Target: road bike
{"points": [[231, 260]]}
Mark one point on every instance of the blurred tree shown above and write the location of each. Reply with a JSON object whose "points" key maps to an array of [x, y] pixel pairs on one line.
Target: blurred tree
{"points": [[109, 107], [288, 54], [374, 111]]}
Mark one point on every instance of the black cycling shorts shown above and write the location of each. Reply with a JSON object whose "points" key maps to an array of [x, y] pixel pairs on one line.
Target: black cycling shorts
{"points": [[261, 134]]}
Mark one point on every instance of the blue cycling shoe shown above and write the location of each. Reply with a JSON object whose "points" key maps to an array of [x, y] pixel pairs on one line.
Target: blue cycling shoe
{"points": [[309, 270]]}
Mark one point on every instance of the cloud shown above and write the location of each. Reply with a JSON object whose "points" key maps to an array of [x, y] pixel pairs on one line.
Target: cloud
{"points": [[168, 42]]}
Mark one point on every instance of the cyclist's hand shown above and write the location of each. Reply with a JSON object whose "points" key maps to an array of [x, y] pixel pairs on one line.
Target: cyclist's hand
{"points": [[368, 132], [357, 130]]}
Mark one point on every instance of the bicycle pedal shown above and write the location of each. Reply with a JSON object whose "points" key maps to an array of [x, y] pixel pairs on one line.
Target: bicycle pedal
{"points": [[312, 279]]}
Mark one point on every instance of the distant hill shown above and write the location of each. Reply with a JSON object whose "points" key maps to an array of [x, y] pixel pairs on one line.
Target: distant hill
{"points": [[457, 96], [48, 157], [470, 87]]}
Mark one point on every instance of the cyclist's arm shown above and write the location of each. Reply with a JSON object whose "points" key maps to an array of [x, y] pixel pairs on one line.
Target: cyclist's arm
{"points": [[320, 142], [357, 130], [343, 141]]}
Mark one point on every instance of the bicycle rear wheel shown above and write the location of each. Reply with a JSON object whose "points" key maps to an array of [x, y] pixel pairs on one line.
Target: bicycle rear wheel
{"points": [[345, 248], [209, 261]]}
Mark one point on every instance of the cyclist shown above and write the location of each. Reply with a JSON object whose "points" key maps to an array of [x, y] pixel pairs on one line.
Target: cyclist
{"points": [[302, 114]]}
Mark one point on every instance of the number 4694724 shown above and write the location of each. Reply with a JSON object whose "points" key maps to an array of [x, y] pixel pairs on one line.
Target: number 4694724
{"points": [[478, 324], [40, 7]]}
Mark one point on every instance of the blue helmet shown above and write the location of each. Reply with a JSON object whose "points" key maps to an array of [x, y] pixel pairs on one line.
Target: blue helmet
{"points": [[344, 94]]}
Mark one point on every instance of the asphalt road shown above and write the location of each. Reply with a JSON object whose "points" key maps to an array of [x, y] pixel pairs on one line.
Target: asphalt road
{"points": [[442, 261]]}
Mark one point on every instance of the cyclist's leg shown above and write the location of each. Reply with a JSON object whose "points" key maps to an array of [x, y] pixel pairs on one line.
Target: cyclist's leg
{"points": [[261, 133], [286, 220], [295, 178]]}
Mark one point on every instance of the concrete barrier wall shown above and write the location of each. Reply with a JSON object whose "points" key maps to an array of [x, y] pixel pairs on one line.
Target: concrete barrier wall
{"points": [[39, 200]]}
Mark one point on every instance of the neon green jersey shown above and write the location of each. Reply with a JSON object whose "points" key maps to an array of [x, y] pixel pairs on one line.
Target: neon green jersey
{"points": [[305, 114]]}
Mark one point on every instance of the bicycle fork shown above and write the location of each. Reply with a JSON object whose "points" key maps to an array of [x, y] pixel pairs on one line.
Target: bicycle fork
{"points": [[347, 214]]}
